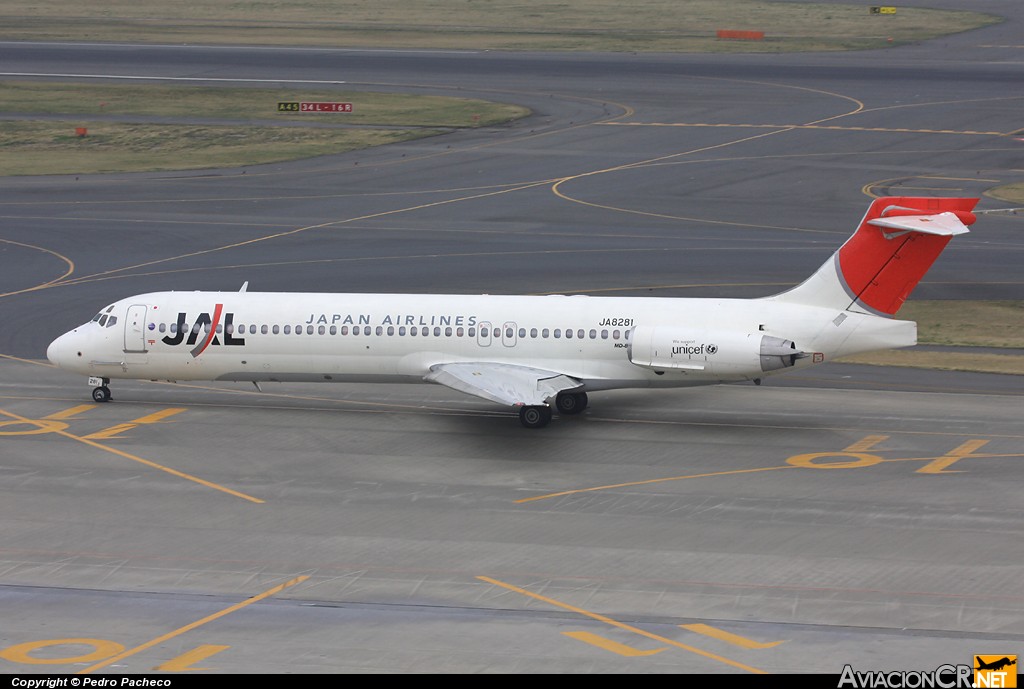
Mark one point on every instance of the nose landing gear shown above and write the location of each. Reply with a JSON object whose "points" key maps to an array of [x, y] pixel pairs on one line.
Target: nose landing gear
{"points": [[100, 393]]}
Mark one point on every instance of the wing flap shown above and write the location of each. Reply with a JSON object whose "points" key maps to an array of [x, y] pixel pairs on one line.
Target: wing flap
{"points": [[502, 383]]}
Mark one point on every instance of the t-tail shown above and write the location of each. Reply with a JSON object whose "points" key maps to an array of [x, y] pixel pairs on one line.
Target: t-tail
{"points": [[877, 268]]}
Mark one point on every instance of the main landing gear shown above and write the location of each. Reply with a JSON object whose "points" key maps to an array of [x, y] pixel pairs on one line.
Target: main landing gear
{"points": [[100, 393], [535, 416], [571, 402], [539, 416]]}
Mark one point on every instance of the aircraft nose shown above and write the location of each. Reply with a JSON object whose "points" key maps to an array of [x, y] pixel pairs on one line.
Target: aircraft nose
{"points": [[61, 351]]}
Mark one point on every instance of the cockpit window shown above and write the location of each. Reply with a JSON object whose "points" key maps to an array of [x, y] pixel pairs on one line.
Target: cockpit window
{"points": [[104, 319], [100, 317]]}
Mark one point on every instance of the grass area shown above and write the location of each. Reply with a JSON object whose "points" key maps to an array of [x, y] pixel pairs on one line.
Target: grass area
{"points": [[50, 148], [379, 109], [601, 25], [943, 361], [967, 323], [961, 324], [237, 126], [242, 137], [1011, 193]]}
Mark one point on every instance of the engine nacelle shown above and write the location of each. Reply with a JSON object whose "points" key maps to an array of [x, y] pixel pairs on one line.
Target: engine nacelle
{"points": [[724, 352]]}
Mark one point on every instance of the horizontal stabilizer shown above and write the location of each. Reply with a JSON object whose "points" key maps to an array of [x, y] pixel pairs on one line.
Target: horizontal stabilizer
{"points": [[503, 383], [947, 224]]}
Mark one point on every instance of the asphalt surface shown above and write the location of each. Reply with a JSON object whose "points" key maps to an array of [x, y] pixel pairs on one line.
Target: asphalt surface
{"points": [[855, 515]]}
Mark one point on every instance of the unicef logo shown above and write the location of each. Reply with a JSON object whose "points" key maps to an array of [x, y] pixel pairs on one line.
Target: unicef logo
{"points": [[712, 349]]}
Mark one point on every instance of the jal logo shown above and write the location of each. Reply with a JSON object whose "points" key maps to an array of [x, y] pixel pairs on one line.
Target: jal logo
{"points": [[205, 325]]}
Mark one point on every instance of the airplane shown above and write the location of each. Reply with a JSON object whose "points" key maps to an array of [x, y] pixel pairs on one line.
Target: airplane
{"points": [[996, 664], [534, 354]]}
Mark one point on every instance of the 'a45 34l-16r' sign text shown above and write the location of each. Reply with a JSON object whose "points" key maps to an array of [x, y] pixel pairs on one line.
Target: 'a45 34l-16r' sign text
{"points": [[312, 106]]}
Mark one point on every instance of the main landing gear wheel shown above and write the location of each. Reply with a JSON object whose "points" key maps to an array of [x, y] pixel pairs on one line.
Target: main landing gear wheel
{"points": [[571, 402], [101, 394], [535, 417]]}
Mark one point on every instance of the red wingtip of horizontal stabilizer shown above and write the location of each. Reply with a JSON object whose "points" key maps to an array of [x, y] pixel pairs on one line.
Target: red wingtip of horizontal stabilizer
{"points": [[881, 268]]}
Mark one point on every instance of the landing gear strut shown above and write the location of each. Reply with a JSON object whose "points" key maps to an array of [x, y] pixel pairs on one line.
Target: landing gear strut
{"points": [[535, 416]]}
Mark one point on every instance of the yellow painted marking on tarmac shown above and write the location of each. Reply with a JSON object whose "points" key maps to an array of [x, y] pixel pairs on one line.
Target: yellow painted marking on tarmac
{"points": [[111, 432], [688, 285], [958, 453], [39, 426], [866, 443], [155, 417], [70, 268], [650, 481], [964, 451], [288, 233], [609, 645], [556, 187], [725, 636], [830, 127], [134, 458], [868, 189], [808, 460], [34, 362], [194, 625], [620, 625], [22, 653], [939, 465], [185, 661], [73, 411], [811, 460], [960, 179]]}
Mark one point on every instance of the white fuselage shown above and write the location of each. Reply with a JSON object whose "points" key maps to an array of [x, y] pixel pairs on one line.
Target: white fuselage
{"points": [[532, 353], [319, 337]]}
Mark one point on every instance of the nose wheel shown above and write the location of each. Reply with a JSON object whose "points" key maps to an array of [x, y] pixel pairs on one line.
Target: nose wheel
{"points": [[100, 393]]}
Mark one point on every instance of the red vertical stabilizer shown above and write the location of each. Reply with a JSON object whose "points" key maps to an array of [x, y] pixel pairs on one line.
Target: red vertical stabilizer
{"points": [[896, 243]]}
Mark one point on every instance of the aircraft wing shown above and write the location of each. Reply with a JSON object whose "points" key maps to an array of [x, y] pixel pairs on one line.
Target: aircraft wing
{"points": [[503, 383]]}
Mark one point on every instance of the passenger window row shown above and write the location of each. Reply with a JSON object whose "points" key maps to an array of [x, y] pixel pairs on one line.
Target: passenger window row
{"points": [[404, 331]]}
